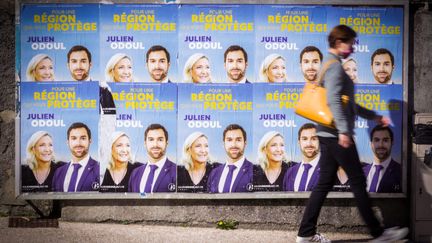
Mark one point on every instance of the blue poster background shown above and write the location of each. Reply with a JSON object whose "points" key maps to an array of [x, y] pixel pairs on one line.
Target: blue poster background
{"points": [[286, 30], [201, 100], [40, 102], [376, 28], [210, 30], [53, 29], [133, 29]]}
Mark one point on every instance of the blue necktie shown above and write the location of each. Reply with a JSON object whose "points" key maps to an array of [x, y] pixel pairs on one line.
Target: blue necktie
{"points": [[304, 177], [374, 183], [228, 179], [73, 180], [150, 178]]}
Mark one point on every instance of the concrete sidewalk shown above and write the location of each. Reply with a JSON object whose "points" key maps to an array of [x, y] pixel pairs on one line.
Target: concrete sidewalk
{"points": [[104, 232]]}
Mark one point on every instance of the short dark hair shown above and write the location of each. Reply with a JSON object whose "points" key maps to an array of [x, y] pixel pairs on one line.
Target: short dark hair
{"points": [[77, 125], [310, 49], [382, 51], [234, 127], [381, 128], [155, 126], [79, 48], [342, 33], [304, 127], [235, 48], [158, 48]]}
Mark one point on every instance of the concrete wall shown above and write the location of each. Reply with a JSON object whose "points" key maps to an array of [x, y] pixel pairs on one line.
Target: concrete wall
{"points": [[338, 214]]}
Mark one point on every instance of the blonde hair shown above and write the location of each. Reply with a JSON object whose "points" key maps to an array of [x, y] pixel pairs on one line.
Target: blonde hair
{"points": [[187, 75], [263, 77], [186, 158], [262, 157], [33, 63], [109, 77], [30, 156], [114, 137]]}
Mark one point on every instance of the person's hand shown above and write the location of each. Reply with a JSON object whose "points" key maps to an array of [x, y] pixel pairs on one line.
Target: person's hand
{"points": [[344, 140], [383, 120]]}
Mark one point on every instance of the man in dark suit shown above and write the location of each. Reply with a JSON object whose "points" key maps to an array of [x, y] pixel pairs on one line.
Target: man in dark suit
{"points": [[304, 176], [159, 173], [82, 172], [384, 174], [235, 63], [158, 64], [237, 173]]}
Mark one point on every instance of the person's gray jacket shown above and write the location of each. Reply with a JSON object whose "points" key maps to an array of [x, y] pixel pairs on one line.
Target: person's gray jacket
{"points": [[338, 83]]}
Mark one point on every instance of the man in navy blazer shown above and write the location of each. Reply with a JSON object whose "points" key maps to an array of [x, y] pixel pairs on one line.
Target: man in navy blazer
{"points": [[159, 173], [308, 169], [235, 63], [237, 173], [82, 169], [386, 172], [158, 64]]}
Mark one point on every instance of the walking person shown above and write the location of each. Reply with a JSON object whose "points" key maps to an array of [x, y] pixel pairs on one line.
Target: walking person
{"points": [[338, 147]]}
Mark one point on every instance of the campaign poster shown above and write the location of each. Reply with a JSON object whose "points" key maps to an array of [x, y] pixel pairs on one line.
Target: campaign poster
{"points": [[378, 49], [204, 113], [276, 127], [290, 42], [48, 111], [60, 42], [216, 43], [141, 108], [138, 43], [382, 146]]}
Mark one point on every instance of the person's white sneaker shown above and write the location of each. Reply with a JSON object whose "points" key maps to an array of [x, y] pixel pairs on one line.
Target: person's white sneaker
{"points": [[316, 238], [391, 234]]}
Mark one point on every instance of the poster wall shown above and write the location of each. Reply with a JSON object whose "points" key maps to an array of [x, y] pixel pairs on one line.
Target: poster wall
{"points": [[182, 92]]}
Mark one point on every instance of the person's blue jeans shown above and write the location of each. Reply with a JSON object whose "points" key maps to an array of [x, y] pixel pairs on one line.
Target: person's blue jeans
{"points": [[332, 156]]}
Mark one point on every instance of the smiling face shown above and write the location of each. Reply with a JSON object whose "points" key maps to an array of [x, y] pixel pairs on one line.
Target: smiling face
{"points": [[79, 65], [309, 144], [276, 71], [382, 68], [275, 149], [122, 71], [44, 70], [44, 150], [199, 150], [235, 65], [310, 65], [381, 145], [158, 65], [121, 150], [156, 144], [350, 68], [234, 144], [200, 71], [79, 143]]}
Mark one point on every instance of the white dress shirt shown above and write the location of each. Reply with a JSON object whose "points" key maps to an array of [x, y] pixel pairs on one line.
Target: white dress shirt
{"points": [[369, 178], [160, 163], [298, 177], [69, 172], [238, 164]]}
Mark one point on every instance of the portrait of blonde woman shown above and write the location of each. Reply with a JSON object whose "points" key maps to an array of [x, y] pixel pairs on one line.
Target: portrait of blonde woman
{"points": [[350, 67], [37, 174], [273, 69], [40, 68], [196, 165], [119, 68], [197, 69], [272, 163], [120, 164]]}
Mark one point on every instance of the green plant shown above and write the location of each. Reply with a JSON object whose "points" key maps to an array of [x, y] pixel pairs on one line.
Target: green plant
{"points": [[227, 224]]}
